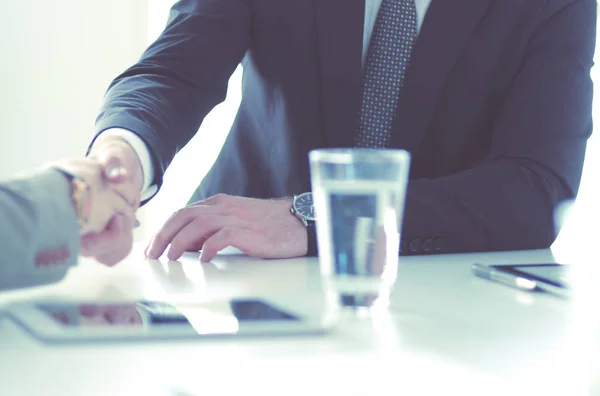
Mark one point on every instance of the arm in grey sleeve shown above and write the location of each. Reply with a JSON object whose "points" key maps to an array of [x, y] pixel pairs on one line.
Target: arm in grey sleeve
{"points": [[39, 234]]}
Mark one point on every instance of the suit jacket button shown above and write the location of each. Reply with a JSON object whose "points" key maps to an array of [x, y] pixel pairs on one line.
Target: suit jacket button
{"points": [[427, 245], [439, 245], [415, 245]]}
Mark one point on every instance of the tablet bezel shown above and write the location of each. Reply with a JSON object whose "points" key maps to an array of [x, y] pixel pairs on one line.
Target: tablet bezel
{"points": [[43, 327]]}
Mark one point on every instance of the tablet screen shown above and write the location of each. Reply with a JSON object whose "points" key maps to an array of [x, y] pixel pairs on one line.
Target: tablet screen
{"points": [[215, 315]]}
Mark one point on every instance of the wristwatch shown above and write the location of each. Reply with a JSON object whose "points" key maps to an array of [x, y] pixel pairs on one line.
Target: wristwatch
{"points": [[304, 209], [80, 195]]}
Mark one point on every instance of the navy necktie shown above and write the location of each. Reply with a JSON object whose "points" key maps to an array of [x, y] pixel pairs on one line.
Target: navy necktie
{"points": [[394, 35]]}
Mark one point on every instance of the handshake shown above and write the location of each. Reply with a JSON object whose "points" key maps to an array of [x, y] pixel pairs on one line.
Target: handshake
{"points": [[106, 195], [112, 179]]}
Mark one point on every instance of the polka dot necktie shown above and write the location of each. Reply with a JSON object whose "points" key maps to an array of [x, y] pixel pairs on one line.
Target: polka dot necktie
{"points": [[388, 56]]}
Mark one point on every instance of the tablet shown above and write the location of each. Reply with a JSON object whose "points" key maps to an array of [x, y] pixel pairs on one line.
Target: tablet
{"points": [[85, 321], [552, 278]]}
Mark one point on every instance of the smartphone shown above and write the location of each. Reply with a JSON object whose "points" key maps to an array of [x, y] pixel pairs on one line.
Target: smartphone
{"points": [[552, 278], [85, 321]]}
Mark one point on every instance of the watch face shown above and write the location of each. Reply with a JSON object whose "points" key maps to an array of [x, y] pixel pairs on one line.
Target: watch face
{"points": [[303, 205]]}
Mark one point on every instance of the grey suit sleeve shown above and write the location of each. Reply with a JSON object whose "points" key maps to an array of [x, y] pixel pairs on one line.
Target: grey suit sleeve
{"points": [[39, 234]]}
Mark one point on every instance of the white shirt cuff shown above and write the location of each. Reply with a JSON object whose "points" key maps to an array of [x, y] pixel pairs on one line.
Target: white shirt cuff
{"points": [[143, 154]]}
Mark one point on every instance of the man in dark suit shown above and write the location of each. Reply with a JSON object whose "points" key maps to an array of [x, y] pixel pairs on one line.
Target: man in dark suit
{"points": [[491, 97]]}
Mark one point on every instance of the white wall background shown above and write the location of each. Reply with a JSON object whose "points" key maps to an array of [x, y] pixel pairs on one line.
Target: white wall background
{"points": [[57, 59]]}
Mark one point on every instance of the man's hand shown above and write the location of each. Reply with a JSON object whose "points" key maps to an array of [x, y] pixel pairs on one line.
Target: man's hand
{"points": [[259, 228], [101, 202], [107, 149], [113, 243]]}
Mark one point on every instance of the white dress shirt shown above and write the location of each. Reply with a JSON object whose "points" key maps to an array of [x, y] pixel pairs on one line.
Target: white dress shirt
{"points": [[371, 10]]}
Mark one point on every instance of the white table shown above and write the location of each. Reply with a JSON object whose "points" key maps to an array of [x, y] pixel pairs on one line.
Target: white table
{"points": [[449, 333]]}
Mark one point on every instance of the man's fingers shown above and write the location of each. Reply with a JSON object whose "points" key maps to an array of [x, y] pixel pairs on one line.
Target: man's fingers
{"points": [[104, 206], [192, 237], [88, 240], [118, 232], [114, 170], [94, 243], [118, 170], [114, 167], [240, 238], [172, 233], [119, 204], [184, 240], [114, 257], [163, 238]]}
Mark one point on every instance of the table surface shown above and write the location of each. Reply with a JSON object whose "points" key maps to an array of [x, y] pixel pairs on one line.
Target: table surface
{"points": [[447, 330]]}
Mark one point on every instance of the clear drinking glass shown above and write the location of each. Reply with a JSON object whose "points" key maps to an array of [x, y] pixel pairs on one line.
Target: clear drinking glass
{"points": [[359, 199]]}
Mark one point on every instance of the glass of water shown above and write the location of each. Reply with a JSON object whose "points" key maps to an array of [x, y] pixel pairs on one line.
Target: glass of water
{"points": [[359, 199]]}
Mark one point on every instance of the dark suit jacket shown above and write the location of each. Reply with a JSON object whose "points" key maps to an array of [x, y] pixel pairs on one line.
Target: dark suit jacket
{"points": [[496, 108]]}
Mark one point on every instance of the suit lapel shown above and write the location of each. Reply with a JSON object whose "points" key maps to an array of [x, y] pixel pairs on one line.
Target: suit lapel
{"points": [[340, 26], [446, 30]]}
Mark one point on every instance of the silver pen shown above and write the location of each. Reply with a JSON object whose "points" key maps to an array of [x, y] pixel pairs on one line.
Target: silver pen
{"points": [[491, 273]]}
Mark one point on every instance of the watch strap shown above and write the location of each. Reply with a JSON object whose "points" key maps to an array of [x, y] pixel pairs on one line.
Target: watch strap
{"points": [[310, 230], [311, 234]]}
